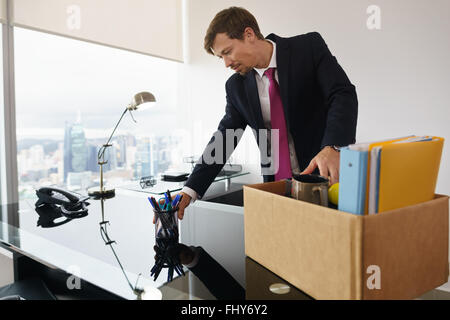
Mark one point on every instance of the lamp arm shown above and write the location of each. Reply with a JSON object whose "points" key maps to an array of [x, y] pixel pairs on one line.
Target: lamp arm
{"points": [[101, 152]]}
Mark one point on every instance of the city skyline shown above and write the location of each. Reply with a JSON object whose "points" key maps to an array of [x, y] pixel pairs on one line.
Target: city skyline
{"points": [[71, 162]]}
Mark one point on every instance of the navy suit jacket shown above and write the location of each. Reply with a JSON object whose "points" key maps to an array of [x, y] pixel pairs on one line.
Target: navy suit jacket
{"points": [[319, 101]]}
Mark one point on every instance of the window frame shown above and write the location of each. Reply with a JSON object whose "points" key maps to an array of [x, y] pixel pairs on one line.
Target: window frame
{"points": [[9, 175]]}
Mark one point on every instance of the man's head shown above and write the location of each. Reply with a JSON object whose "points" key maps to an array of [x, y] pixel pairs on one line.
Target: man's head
{"points": [[233, 35]]}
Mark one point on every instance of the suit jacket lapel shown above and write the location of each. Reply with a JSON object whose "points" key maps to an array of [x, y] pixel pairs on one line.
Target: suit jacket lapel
{"points": [[253, 99], [283, 63]]}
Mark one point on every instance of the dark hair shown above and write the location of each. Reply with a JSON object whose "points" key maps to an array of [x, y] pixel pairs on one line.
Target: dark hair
{"points": [[233, 22]]}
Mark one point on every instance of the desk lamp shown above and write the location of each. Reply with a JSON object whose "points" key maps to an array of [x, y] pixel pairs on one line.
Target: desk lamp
{"points": [[102, 192]]}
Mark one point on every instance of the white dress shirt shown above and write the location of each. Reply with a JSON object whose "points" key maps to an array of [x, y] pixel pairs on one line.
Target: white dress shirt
{"points": [[262, 82]]}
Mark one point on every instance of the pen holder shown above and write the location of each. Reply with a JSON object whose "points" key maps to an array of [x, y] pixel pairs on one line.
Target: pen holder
{"points": [[166, 240], [166, 225]]}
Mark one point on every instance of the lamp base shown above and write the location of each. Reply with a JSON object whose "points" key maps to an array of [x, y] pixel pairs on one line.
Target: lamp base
{"points": [[96, 193]]}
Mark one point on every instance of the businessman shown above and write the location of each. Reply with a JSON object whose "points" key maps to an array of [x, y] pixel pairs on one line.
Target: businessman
{"points": [[293, 86]]}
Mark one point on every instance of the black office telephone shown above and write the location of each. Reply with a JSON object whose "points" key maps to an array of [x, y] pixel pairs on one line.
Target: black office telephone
{"points": [[71, 204]]}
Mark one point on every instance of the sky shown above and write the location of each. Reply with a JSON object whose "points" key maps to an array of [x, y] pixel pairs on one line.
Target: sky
{"points": [[58, 78]]}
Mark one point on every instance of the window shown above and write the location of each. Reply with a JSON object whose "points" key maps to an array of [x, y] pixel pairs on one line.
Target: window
{"points": [[69, 96]]}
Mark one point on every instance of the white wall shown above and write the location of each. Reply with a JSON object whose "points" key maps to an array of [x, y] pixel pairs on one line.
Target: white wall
{"points": [[401, 71]]}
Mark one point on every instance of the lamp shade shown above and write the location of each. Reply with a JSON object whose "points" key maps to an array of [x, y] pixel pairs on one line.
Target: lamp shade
{"points": [[140, 98]]}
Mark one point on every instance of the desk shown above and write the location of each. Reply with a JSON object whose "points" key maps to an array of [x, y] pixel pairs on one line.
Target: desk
{"points": [[77, 247]]}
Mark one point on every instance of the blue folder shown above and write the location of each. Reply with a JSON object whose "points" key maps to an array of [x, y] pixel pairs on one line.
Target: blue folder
{"points": [[352, 180], [377, 183]]}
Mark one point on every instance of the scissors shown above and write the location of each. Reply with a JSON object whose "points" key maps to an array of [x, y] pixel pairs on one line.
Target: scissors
{"points": [[162, 203]]}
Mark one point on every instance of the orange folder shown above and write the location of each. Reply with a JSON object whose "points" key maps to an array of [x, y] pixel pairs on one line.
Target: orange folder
{"points": [[408, 173], [371, 146]]}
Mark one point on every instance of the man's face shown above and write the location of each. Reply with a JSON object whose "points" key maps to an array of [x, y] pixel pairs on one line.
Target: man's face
{"points": [[237, 54]]}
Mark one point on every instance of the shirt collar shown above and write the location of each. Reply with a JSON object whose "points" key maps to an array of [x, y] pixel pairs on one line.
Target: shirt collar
{"points": [[273, 60]]}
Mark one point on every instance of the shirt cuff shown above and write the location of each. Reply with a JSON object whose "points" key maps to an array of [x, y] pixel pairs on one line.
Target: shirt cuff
{"points": [[195, 260], [190, 192]]}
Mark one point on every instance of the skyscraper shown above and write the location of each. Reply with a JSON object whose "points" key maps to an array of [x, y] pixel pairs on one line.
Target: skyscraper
{"points": [[75, 149], [121, 151], [79, 148], [67, 150], [93, 158], [143, 158]]}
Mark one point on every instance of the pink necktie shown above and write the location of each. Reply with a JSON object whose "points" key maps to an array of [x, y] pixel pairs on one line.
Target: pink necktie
{"points": [[278, 122]]}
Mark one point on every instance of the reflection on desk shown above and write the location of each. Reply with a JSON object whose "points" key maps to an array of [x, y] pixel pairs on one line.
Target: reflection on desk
{"points": [[216, 279], [262, 284]]}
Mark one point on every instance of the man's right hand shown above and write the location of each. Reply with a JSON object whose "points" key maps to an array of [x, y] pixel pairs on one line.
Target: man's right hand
{"points": [[185, 201]]}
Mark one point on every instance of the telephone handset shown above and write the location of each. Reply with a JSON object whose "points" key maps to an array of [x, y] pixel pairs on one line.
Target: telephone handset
{"points": [[72, 204]]}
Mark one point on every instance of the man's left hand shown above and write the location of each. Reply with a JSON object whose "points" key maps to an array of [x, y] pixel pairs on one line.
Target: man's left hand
{"points": [[328, 162]]}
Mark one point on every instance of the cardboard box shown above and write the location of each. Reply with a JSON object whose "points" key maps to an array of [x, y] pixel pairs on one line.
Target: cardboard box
{"points": [[330, 254]]}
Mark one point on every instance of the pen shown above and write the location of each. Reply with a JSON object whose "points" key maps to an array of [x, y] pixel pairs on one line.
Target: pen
{"points": [[150, 200], [179, 200], [155, 204], [168, 200], [176, 200], [170, 274]]}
